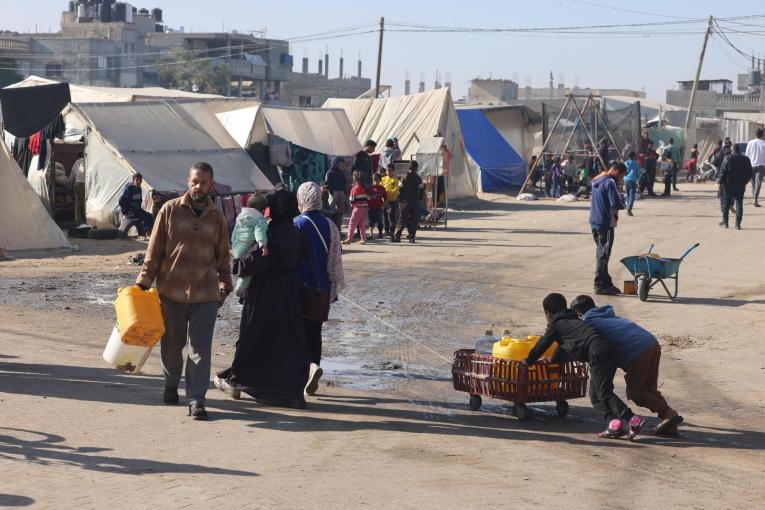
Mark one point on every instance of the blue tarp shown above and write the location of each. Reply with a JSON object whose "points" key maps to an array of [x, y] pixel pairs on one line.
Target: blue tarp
{"points": [[501, 167]]}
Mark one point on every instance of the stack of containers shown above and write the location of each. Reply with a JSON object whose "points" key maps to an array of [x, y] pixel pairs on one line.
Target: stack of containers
{"points": [[139, 327]]}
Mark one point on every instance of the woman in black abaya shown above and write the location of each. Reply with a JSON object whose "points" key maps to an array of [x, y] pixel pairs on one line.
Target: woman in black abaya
{"points": [[271, 360]]}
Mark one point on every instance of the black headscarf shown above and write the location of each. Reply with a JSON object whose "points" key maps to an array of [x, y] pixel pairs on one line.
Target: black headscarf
{"points": [[283, 206]]}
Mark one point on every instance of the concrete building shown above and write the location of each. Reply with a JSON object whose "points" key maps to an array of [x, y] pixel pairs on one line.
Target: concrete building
{"points": [[715, 98], [488, 91], [312, 89], [113, 44]]}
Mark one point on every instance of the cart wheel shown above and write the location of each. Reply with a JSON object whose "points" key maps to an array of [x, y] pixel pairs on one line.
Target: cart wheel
{"points": [[562, 408], [475, 402], [522, 412], [642, 287]]}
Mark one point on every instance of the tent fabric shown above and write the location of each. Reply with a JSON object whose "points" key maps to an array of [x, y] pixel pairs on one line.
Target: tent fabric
{"points": [[160, 142], [29, 110], [500, 166], [320, 130], [24, 223], [518, 125], [412, 119], [239, 124], [87, 94]]}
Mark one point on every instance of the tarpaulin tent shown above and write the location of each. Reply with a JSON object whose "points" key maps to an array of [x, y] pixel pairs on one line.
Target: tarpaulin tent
{"points": [[24, 222], [88, 94], [518, 125], [161, 141], [499, 165], [412, 119]]}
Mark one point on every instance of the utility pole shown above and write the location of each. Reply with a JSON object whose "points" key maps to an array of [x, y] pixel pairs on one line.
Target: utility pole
{"points": [[379, 57], [690, 135]]}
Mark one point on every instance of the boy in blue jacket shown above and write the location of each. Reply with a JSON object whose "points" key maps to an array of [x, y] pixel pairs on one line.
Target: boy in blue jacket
{"points": [[638, 354], [604, 213]]}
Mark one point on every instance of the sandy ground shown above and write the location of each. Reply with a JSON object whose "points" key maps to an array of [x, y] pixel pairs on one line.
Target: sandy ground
{"points": [[387, 429]]}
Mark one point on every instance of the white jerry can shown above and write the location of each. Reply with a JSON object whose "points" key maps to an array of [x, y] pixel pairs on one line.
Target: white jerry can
{"points": [[125, 357]]}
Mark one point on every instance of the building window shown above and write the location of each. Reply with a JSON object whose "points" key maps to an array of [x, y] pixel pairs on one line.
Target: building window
{"points": [[305, 101], [54, 70]]}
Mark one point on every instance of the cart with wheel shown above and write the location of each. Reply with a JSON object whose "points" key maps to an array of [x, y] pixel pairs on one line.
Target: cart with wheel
{"points": [[648, 270], [482, 375]]}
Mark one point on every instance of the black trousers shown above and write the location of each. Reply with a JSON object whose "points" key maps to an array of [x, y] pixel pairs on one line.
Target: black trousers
{"points": [[408, 216], [604, 400], [650, 171], [731, 196], [390, 215], [604, 242], [313, 339], [668, 185]]}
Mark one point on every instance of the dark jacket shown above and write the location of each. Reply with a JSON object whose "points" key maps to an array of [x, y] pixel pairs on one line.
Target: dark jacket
{"points": [[576, 338], [605, 202], [736, 171], [131, 200], [411, 188], [363, 163], [336, 181]]}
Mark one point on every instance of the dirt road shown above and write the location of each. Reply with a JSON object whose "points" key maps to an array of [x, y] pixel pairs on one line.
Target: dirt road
{"points": [[387, 430]]}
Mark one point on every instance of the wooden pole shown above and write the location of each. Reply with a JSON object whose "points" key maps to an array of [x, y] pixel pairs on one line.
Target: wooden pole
{"points": [[695, 87], [379, 57], [544, 146]]}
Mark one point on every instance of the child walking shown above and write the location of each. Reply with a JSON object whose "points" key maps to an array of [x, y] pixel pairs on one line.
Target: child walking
{"points": [[377, 199], [250, 228], [360, 205]]}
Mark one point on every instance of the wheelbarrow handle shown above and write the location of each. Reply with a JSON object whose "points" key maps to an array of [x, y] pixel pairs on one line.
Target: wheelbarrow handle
{"points": [[690, 250], [650, 249]]}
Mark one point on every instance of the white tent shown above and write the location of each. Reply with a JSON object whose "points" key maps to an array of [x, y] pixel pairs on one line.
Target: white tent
{"points": [[327, 131], [87, 94], [161, 141], [24, 222], [518, 125], [412, 119]]}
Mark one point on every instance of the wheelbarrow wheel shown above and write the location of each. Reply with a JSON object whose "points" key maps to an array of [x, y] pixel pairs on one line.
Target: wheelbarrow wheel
{"points": [[642, 287], [522, 412], [562, 408], [475, 402]]}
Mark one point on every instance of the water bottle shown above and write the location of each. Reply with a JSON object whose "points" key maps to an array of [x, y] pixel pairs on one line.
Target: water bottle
{"points": [[485, 343]]}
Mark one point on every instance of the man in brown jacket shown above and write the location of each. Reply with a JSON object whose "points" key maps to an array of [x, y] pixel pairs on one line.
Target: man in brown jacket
{"points": [[188, 256]]}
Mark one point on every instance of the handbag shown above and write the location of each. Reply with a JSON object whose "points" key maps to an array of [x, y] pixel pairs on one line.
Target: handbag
{"points": [[314, 302]]}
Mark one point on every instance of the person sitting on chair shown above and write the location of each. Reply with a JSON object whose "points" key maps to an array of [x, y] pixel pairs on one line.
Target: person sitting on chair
{"points": [[132, 211]]}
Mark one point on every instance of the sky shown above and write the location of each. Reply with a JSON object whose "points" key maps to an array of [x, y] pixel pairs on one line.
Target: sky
{"points": [[652, 63]]}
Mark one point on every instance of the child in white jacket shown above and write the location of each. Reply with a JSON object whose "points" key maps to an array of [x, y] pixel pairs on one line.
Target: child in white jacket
{"points": [[250, 228]]}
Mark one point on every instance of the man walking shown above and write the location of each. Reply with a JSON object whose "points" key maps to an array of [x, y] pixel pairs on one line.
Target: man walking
{"points": [[735, 173], [604, 213], [755, 151], [188, 256], [409, 197]]}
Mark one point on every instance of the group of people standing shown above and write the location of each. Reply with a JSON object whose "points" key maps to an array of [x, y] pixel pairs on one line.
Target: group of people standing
{"points": [[377, 197], [736, 170], [294, 273]]}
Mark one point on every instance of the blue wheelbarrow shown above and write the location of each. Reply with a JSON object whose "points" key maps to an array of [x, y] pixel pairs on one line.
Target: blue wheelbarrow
{"points": [[648, 271]]}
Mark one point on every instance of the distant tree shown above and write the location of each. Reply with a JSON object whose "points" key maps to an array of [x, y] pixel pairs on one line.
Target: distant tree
{"points": [[9, 72], [192, 73]]}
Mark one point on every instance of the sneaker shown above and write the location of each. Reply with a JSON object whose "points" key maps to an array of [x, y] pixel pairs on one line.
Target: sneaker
{"points": [[636, 427], [738, 226], [171, 396], [723, 224], [314, 374], [613, 291], [615, 430], [629, 212], [225, 386], [197, 411]]}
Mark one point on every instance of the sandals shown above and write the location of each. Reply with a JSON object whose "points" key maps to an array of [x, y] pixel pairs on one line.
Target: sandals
{"points": [[668, 426]]}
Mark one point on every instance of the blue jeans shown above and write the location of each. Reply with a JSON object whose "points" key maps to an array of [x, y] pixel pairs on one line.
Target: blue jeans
{"points": [[631, 188], [557, 188]]}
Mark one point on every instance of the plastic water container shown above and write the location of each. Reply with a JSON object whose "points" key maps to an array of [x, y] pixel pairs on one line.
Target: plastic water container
{"points": [[139, 316], [125, 357], [517, 349], [485, 344]]}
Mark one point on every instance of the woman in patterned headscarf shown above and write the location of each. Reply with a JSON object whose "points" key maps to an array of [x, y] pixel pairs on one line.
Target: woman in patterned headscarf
{"points": [[321, 268]]}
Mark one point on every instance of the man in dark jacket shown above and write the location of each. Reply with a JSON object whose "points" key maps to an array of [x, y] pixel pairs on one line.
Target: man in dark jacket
{"points": [[735, 173], [131, 206], [362, 162], [409, 197], [580, 341], [604, 213]]}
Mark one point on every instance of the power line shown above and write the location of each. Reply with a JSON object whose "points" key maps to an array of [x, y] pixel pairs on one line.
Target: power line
{"points": [[604, 6]]}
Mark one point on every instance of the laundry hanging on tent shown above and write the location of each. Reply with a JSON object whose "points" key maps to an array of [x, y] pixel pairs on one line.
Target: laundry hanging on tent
{"points": [[280, 151], [307, 166], [27, 110]]}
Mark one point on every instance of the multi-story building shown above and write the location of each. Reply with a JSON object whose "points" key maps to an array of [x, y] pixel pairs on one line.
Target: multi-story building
{"points": [[312, 89], [715, 98]]}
